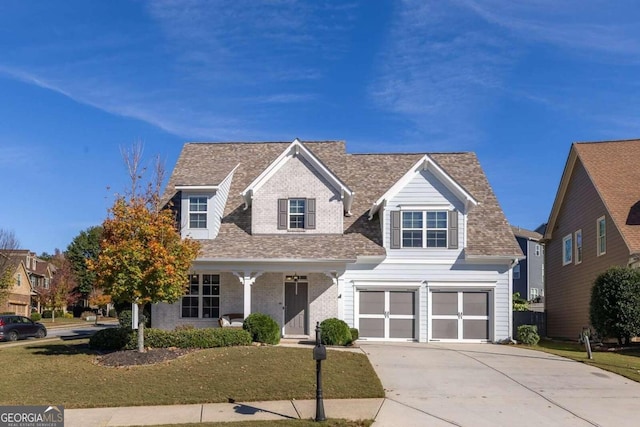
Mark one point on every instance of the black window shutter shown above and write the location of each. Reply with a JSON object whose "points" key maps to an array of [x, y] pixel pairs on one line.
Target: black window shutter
{"points": [[395, 230], [283, 214], [453, 230], [310, 214]]}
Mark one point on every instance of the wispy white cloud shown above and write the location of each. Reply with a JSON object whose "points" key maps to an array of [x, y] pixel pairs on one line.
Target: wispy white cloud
{"points": [[214, 68], [438, 71], [571, 24]]}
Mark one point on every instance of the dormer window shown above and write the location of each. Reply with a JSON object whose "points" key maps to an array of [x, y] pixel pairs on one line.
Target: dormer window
{"points": [[296, 214], [297, 209], [197, 212]]}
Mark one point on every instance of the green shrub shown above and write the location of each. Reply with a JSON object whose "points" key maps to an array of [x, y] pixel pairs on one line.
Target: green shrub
{"points": [[111, 339], [614, 311], [36, 317], [355, 334], [335, 332], [528, 334], [112, 312], [46, 314], [191, 338], [519, 303], [262, 328], [67, 315]]}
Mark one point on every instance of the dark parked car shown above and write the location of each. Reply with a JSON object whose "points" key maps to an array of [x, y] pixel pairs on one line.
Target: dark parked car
{"points": [[13, 327]]}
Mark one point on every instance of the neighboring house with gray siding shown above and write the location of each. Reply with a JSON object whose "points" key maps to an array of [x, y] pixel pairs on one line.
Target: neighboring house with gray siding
{"points": [[410, 247], [594, 224], [528, 275]]}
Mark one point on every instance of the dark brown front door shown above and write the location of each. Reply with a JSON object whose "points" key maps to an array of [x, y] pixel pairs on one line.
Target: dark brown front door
{"points": [[295, 312]]}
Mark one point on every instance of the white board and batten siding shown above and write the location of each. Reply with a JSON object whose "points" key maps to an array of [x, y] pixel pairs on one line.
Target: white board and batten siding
{"points": [[424, 270], [424, 192]]}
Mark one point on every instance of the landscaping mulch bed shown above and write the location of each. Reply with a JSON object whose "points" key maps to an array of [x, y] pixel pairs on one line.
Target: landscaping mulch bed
{"points": [[134, 358]]}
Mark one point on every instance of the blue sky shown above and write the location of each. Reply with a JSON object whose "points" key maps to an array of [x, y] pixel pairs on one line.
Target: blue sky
{"points": [[514, 81]]}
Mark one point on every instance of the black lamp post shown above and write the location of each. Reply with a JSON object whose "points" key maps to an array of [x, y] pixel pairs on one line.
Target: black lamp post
{"points": [[319, 354]]}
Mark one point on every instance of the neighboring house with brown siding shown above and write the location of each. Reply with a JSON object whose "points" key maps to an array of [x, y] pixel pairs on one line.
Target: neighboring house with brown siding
{"points": [[594, 224], [410, 247], [19, 296]]}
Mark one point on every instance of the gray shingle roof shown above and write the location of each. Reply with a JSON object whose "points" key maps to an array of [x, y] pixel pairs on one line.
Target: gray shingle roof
{"points": [[368, 175]]}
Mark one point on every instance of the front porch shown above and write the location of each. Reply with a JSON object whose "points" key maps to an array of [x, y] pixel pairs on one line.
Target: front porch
{"points": [[295, 299]]}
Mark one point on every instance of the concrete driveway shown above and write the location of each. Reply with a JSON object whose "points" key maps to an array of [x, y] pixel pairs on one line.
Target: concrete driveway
{"points": [[496, 385]]}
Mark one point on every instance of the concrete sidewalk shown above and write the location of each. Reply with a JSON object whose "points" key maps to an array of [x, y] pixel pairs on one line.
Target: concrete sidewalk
{"points": [[351, 409]]}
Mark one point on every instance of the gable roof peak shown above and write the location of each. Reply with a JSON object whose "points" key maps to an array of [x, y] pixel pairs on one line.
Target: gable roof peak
{"points": [[425, 163], [295, 149]]}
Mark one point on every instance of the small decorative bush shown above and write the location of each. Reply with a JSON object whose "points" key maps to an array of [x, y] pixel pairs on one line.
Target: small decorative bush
{"points": [[47, 314], [67, 315], [262, 328], [36, 317], [112, 312], [354, 334], [335, 332], [528, 334], [111, 339]]}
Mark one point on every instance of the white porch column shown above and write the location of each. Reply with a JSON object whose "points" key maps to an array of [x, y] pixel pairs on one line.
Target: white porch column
{"points": [[247, 279]]}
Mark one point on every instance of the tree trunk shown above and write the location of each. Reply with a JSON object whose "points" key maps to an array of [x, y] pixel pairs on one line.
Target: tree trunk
{"points": [[141, 328]]}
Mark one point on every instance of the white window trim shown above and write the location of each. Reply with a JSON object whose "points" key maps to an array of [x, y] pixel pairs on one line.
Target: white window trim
{"points": [[303, 214], [424, 229], [566, 238], [201, 296], [205, 212], [578, 259], [604, 236]]}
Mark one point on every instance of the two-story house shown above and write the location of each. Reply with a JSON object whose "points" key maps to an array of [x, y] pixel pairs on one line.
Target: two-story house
{"points": [[594, 224], [18, 297], [401, 246], [528, 275]]}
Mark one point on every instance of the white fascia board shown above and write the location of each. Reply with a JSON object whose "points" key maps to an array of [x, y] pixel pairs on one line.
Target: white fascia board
{"points": [[425, 163], [462, 284], [297, 148], [197, 187], [492, 259], [562, 190], [277, 260]]}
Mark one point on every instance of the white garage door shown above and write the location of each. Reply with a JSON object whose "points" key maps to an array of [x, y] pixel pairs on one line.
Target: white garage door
{"points": [[387, 315], [459, 315]]}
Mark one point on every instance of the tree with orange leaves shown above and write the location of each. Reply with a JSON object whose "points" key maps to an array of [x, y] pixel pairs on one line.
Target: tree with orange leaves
{"points": [[143, 258]]}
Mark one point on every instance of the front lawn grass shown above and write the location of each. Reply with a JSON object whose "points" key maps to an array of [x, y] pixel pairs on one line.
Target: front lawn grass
{"points": [[66, 374], [622, 362]]}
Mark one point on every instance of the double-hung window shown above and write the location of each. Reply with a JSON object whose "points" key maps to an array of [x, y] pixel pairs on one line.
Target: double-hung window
{"points": [[567, 249], [578, 237], [202, 300], [424, 229], [602, 236], [297, 209], [296, 214], [197, 212]]}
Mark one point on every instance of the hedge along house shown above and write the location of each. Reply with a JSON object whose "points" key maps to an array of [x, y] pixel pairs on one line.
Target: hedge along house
{"points": [[401, 246]]}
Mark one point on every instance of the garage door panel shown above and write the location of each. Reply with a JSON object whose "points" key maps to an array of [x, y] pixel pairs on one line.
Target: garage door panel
{"points": [[402, 303], [372, 302], [401, 328], [445, 303], [444, 329], [475, 329], [475, 303], [371, 328]]}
